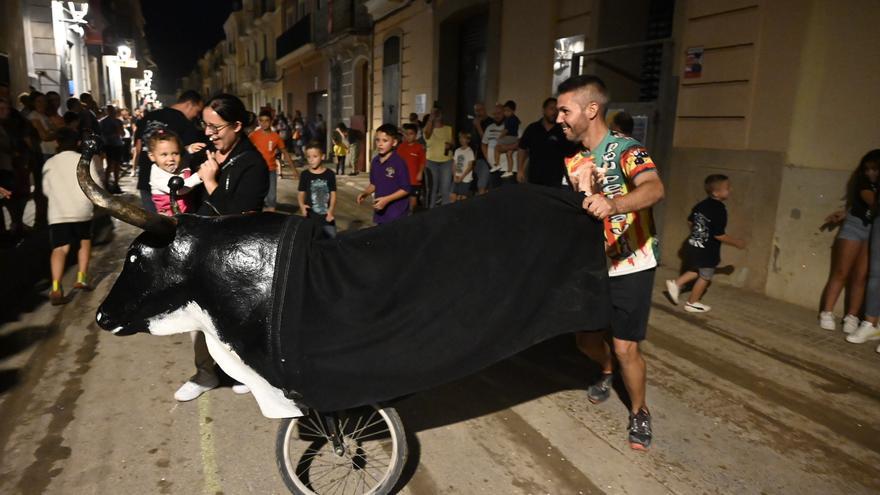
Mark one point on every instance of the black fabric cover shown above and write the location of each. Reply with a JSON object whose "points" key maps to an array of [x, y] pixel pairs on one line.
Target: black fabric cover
{"points": [[387, 311]]}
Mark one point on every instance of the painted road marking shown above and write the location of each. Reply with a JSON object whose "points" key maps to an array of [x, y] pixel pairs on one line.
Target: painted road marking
{"points": [[209, 458]]}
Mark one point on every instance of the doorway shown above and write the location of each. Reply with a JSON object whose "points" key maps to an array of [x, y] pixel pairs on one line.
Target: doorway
{"points": [[391, 81], [464, 40]]}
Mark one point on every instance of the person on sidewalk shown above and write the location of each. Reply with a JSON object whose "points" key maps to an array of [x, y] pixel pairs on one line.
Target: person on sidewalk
{"points": [[413, 153], [623, 200], [849, 254], [463, 160], [438, 150], [317, 190], [389, 179], [269, 143], [508, 142], [70, 214], [868, 329], [340, 147], [491, 134], [708, 223], [543, 149]]}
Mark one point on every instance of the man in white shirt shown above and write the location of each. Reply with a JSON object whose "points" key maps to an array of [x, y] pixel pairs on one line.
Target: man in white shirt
{"points": [[70, 214], [491, 134]]}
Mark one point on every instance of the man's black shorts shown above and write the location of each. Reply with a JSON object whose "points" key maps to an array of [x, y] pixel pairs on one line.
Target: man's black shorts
{"points": [[631, 305], [62, 234]]}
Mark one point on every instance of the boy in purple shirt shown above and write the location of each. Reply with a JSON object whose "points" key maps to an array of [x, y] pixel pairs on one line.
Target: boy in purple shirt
{"points": [[389, 178]]}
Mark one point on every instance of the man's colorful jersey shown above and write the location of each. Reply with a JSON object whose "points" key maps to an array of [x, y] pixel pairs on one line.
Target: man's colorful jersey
{"points": [[630, 239]]}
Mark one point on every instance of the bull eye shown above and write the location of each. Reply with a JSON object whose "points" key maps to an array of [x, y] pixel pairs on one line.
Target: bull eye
{"points": [[132, 258]]}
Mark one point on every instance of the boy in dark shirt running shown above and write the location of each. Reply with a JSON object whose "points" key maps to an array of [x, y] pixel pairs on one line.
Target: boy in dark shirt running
{"points": [[317, 190], [702, 253]]}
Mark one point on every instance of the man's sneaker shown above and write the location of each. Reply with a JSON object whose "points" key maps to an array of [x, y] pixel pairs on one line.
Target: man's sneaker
{"points": [[850, 323], [241, 389], [826, 320], [673, 291], [697, 307], [601, 390], [640, 430], [192, 390], [866, 331]]}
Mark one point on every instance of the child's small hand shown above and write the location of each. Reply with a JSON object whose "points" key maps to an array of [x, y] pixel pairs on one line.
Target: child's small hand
{"points": [[361, 197], [5, 193], [330, 217], [380, 203], [740, 243], [195, 148], [457, 178]]}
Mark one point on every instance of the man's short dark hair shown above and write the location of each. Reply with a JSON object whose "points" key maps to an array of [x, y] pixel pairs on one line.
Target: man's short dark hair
{"points": [[70, 117], [548, 101], [68, 139], [713, 181], [191, 96], [72, 102], [85, 97], [624, 122], [411, 127], [510, 104], [389, 129], [576, 83]]}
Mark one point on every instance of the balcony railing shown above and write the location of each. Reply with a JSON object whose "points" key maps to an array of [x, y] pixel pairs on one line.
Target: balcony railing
{"points": [[296, 36], [267, 69]]}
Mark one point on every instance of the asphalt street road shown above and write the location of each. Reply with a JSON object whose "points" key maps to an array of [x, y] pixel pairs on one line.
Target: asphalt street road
{"points": [[752, 398]]}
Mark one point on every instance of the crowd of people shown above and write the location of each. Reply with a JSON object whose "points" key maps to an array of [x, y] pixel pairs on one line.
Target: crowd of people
{"points": [[229, 160]]}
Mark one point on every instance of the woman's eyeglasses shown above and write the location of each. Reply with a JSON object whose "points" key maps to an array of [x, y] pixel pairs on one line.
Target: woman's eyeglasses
{"points": [[213, 129]]}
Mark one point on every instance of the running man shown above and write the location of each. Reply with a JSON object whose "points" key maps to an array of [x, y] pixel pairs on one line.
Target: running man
{"points": [[626, 189]]}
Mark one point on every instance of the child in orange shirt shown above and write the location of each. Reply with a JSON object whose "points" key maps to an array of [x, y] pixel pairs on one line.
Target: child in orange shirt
{"points": [[413, 153], [269, 143]]}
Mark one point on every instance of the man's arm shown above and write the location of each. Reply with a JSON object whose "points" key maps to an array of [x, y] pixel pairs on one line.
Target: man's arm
{"points": [[648, 191], [522, 158]]}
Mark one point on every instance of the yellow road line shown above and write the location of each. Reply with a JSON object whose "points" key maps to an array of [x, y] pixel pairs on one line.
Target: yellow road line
{"points": [[209, 461]]}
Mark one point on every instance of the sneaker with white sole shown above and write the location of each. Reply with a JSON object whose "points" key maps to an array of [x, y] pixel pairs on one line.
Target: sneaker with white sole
{"points": [[673, 291], [241, 389], [697, 307], [506, 175], [192, 390], [826, 321], [850, 323], [866, 331]]}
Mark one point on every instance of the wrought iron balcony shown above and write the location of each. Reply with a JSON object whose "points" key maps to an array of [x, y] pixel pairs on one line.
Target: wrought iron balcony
{"points": [[296, 36]]}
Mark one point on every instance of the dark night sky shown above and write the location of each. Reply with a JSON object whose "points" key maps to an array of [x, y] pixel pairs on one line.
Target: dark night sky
{"points": [[181, 31]]}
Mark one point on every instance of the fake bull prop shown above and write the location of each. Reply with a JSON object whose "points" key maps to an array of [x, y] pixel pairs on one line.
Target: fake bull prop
{"points": [[371, 315]]}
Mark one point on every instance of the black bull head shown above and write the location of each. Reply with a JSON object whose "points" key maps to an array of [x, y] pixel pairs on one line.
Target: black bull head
{"points": [[192, 273]]}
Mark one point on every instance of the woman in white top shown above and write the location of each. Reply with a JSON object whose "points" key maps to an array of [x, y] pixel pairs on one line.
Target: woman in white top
{"points": [[38, 118]]}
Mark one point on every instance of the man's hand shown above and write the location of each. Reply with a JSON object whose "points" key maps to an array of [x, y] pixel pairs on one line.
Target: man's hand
{"points": [[380, 203], [599, 206]]}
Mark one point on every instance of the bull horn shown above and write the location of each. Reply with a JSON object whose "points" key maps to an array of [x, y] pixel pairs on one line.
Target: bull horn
{"points": [[122, 210]]}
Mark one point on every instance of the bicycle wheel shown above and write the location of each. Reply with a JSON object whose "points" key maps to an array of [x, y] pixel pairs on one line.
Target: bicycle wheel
{"points": [[367, 458]]}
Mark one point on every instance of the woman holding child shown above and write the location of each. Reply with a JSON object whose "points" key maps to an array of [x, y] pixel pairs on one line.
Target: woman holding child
{"points": [[236, 180]]}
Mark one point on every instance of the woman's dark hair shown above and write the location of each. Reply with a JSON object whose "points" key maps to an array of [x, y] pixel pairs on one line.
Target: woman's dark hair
{"points": [[858, 175], [342, 127], [231, 109]]}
